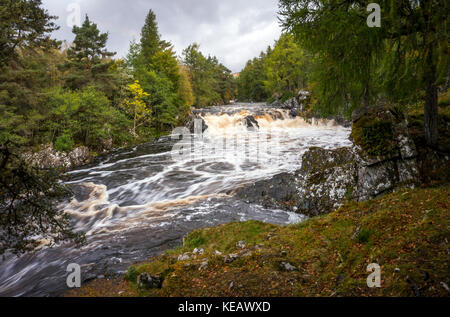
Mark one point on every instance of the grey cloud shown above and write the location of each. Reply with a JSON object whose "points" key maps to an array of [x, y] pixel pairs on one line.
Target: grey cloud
{"points": [[233, 30]]}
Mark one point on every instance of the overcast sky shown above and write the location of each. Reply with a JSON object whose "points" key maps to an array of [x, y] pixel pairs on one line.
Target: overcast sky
{"points": [[232, 30]]}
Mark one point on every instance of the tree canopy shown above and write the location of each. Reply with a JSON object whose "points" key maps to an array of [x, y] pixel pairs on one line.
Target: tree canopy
{"points": [[357, 66]]}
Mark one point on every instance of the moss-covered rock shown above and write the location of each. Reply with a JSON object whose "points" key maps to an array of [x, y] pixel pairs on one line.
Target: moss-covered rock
{"points": [[374, 133]]}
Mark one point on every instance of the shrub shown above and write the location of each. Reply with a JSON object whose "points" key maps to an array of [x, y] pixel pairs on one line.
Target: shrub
{"points": [[64, 143]]}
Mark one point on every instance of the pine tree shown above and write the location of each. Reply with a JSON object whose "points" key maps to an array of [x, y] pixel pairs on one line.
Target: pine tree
{"points": [[346, 49], [212, 82], [87, 58], [23, 23], [151, 42]]}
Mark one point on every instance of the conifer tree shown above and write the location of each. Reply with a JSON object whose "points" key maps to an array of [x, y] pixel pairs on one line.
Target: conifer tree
{"points": [[87, 59], [23, 23], [151, 42]]}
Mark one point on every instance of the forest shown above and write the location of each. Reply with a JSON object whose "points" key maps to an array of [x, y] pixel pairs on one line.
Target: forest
{"points": [[79, 94]]}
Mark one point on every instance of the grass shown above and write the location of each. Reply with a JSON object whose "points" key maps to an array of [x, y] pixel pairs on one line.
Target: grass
{"points": [[405, 232]]}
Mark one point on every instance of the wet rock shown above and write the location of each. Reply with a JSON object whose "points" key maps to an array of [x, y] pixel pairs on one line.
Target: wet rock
{"points": [[327, 179], [115, 260], [445, 286], [284, 266], [276, 192], [79, 156], [107, 144], [196, 124], [293, 113], [147, 281], [250, 122]]}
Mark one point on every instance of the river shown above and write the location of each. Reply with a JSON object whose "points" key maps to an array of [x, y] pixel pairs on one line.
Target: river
{"points": [[139, 202]]}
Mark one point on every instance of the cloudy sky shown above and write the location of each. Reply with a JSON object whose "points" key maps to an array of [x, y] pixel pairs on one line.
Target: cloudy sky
{"points": [[232, 30]]}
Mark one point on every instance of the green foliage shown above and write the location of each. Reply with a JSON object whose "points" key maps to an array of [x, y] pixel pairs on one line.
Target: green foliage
{"points": [[24, 23], [185, 88], [64, 143], [212, 82], [277, 74], [194, 240], [34, 215], [88, 60], [250, 84], [286, 67], [154, 64], [403, 61], [131, 275], [151, 43], [84, 116]]}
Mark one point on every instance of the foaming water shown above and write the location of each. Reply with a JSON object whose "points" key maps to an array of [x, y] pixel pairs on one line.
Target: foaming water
{"points": [[138, 202]]}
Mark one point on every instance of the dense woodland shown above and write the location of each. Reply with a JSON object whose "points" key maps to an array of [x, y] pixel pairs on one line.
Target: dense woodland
{"points": [[79, 94]]}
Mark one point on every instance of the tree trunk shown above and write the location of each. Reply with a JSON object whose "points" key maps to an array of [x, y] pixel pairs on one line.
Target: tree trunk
{"points": [[431, 115], [134, 124], [431, 101]]}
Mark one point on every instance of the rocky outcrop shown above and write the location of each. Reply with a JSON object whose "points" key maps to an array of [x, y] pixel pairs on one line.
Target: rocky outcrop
{"points": [[50, 158], [328, 178], [250, 122], [296, 104], [195, 123], [147, 281]]}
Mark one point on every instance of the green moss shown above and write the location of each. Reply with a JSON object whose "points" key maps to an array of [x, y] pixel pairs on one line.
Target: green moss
{"points": [[194, 240], [374, 135], [363, 236]]}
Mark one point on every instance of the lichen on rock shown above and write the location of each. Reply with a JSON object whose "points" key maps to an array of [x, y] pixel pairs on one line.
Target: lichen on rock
{"points": [[48, 157]]}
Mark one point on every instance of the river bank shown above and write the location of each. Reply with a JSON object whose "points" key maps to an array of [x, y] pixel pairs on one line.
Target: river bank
{"points": [[405, 232]]}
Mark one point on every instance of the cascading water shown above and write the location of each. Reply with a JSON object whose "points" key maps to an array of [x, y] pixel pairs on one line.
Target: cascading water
{"points": [[140, 202]]}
